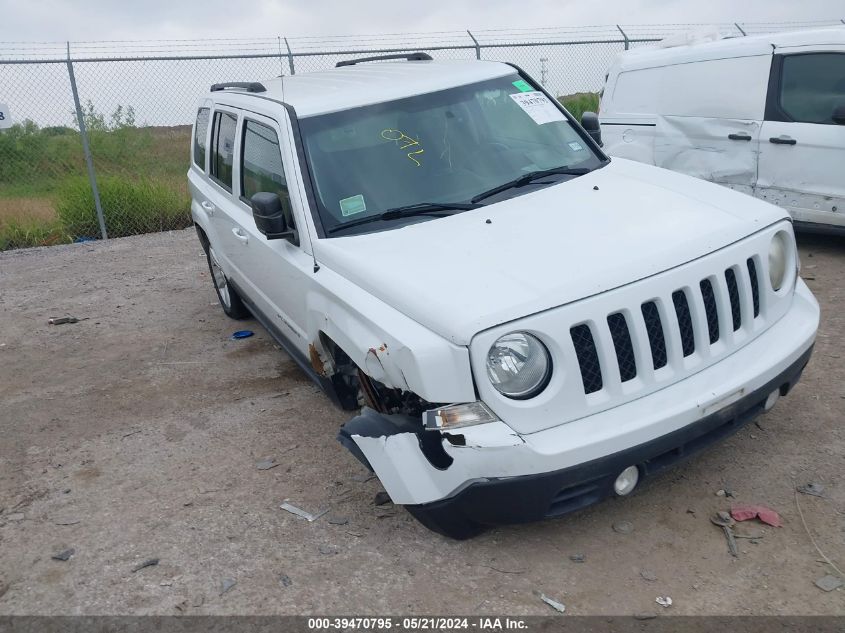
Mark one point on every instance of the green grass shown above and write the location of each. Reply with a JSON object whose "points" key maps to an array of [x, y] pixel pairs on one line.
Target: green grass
{"points": [[25, 234], [129, 207], [580, 103], [141, 173]]}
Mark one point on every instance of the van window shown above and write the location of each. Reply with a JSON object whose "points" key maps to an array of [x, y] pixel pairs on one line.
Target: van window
{"points": [[261, 161], [201, 129], [223, 147], [812, 86]]}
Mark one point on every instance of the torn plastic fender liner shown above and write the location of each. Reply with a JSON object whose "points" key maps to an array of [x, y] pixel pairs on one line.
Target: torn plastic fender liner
{"points": [[417, 466], [371, 423]]}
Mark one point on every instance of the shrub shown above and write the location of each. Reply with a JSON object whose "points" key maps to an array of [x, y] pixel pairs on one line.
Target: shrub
{"points": [[129, 207], [24, 234], [580, 102]]}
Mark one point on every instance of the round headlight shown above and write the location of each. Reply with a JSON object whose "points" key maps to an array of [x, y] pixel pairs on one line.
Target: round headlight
{"points": [[779, 258], [518, 365]]}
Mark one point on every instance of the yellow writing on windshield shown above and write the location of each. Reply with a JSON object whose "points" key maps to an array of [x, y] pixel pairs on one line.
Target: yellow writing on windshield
{"points": [[400, 137]]}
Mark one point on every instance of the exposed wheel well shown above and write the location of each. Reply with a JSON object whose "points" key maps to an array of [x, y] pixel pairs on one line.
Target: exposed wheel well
{"points": [[356, 387]]}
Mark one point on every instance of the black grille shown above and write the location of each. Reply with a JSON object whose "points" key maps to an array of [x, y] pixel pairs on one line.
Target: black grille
{"points": [[622, 343], [654, 327], [755, 290], [588, 358], [733, 293], [710, 309], [684, 322]]}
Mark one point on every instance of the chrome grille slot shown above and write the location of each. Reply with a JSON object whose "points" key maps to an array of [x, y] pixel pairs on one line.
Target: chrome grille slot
{"points": [[656, 338], [755, 290], [733, 293], [710, 309], [622, 344], [588, 358], [679, 299]]}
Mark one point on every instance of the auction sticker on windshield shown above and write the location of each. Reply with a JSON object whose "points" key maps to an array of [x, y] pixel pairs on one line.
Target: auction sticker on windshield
{"points": [[537, 105], [353, 205], [5, 117]]}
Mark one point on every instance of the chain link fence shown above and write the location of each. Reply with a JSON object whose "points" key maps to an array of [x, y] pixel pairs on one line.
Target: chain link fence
{"points": [[95, 137]]}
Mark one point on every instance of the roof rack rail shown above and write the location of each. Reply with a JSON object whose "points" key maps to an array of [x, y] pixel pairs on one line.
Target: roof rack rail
{"points": [[249, 86], [411, 57]]}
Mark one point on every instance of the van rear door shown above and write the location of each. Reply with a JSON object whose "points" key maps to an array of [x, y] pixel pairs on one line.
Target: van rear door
{"points": [[802, 148]]}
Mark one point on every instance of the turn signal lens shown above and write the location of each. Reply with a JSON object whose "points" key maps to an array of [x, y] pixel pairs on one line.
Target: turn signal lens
{"points": [[458, 415]]}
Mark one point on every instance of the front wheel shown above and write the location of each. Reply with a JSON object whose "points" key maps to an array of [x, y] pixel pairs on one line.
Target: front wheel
{"points": [[228, 296]]}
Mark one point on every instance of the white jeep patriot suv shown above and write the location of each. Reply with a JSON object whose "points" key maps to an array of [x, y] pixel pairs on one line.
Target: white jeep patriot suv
{"points": [[528, 325]]}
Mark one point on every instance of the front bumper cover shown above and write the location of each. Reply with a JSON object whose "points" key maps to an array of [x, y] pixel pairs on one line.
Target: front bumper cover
{"points": [[535, 497]]}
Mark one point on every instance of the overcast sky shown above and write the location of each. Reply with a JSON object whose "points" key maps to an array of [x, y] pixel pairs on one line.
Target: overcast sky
{"points": [[59, 20]]}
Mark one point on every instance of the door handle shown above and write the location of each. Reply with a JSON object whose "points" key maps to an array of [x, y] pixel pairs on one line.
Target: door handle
{"points": [[240, 234], [207, 207], [740, 137], [782, 140]]}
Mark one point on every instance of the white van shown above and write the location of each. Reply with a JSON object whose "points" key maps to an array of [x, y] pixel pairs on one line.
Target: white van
{"points": [[764, 115]]}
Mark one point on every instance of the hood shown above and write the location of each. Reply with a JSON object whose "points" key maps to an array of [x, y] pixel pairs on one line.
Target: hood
{"points": [[460, 275]]}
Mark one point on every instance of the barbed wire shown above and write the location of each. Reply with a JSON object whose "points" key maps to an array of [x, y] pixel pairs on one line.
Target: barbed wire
{"points": [[327, 44]]}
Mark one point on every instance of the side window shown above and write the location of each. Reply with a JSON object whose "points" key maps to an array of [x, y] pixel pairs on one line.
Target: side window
{"points": [[261, 163], [201, 129], [223, 147], [812, 86]]}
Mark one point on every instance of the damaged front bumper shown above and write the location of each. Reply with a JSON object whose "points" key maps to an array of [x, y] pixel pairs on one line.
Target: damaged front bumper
{"points": [[490, 475]]}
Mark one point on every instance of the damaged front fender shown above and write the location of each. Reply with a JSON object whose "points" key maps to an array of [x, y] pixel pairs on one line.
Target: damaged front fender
{"points": [[417, 466]]}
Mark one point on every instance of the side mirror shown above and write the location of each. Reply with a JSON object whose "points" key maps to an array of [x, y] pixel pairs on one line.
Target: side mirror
{"points": [[590, 122], [839, 115], [269, 216]]}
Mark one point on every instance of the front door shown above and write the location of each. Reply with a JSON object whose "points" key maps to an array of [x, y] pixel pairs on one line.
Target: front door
{"points": [[278, 269], [802, 148]]}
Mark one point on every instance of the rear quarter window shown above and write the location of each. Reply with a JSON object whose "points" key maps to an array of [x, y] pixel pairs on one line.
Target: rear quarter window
{"points": [[200, 133]]}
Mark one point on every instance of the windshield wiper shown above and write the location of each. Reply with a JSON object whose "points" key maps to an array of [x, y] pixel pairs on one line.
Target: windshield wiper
{"points": [[409, 210], [530, 177]]}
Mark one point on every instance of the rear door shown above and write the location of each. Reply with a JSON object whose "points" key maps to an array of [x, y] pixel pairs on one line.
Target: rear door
{"points": [[802, 149], [224, 209]]}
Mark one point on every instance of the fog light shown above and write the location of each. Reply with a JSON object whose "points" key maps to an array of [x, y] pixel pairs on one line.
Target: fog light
{"points": [[770, 401], [626, 481]]}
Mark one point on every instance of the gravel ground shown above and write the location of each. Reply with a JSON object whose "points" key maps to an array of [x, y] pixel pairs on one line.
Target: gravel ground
{"points": [[135, 433]]}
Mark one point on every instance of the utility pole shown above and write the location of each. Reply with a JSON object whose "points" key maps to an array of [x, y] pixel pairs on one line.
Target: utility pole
{"points": [[543, 70]]}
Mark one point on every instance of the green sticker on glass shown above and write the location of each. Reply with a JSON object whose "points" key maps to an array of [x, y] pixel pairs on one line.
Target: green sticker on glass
{"points": [[522, 86], [353, 205]]}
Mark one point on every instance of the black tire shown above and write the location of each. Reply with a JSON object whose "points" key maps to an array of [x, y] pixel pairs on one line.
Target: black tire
{"points": [[228, 297]]}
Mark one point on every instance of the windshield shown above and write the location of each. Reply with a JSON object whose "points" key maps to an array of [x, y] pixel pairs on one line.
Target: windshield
{"points": [[442, 147]]}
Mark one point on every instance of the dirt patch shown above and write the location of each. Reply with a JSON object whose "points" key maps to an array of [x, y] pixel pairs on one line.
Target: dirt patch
{"points": [[135, 434], [26, 209]]}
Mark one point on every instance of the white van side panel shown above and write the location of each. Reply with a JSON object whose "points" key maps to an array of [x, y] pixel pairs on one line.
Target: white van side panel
{"points": [[715, 88], [701, 118], [701, 147]]}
